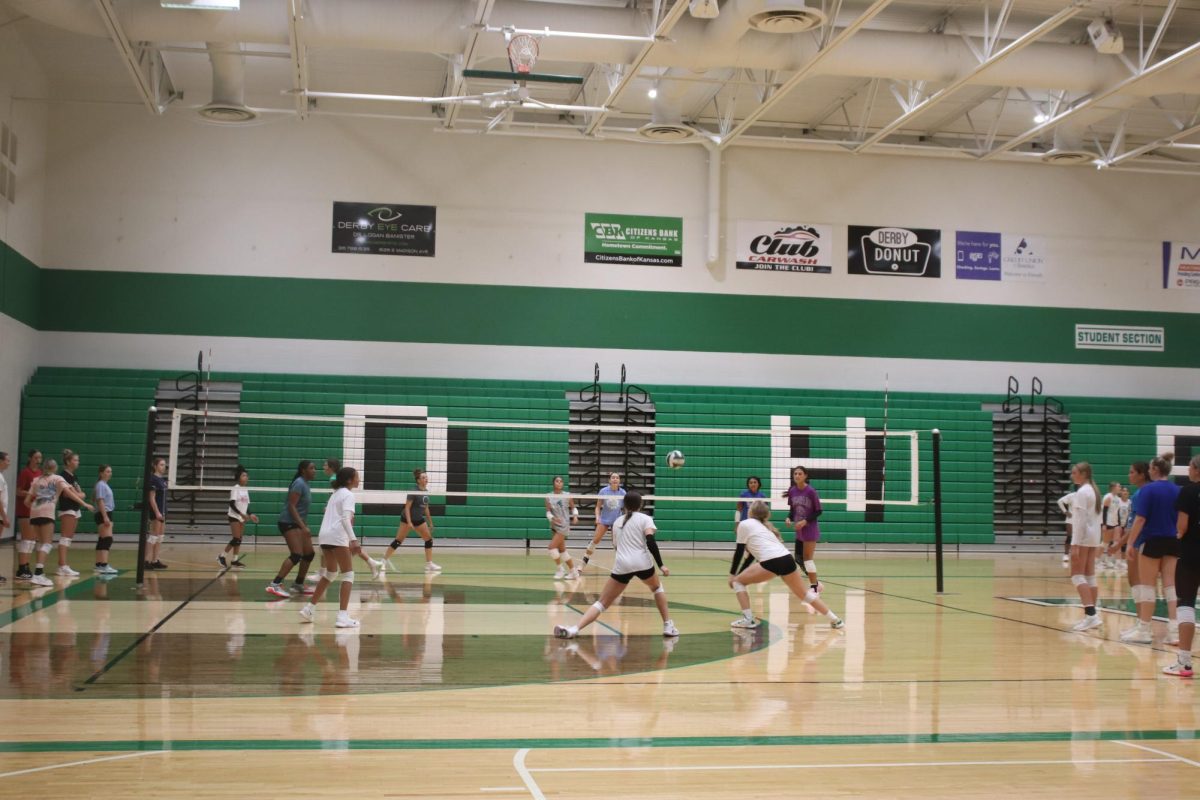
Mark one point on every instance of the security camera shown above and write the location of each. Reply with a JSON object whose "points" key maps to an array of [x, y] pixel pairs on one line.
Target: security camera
{"points": [[704, 9], [1105, 37]]}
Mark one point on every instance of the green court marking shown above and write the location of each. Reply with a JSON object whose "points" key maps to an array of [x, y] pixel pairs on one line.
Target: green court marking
{"points": [[224, 745], [79, 590], [1120, 606]]}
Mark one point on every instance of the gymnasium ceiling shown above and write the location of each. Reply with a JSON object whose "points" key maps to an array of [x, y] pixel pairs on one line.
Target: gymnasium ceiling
{"points": [[1002, 80]]}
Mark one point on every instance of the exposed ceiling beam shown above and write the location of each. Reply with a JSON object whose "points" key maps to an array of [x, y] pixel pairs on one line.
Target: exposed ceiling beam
{"points": [[299, 54], [1095, 99], [483, 11], [798, 77], [662, 30], [145, 65], [1015, 46], [1146, 148]]}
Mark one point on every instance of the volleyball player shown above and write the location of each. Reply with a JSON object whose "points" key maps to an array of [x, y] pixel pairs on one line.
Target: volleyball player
{"points": [[237, 514], [804, 508], [338, 547], [637, 553], [765, 544], [753, 490], [68, 513], [5, 522], [1064, 505], [1156, 543], [561, 512], [1187, 569], [293, 524], [24, 532], [102, 494], [416, 518], [1086, 506], [1110, 511], [376, 565], [608, 508], [156, 496], [41, 498]]}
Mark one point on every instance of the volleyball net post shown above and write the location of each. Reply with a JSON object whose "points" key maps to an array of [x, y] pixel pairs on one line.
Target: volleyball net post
{"points": [[937, 509]]}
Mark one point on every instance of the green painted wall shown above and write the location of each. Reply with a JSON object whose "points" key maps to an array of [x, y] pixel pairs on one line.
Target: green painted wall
{"points": [[20, 286]]}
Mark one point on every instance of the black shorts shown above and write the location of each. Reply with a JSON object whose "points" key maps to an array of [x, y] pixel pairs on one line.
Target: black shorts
{"points": [[100, 518], [782, 565], [42, 521], [333, 546], [626, 577], [284, 527], [1160, 546]]}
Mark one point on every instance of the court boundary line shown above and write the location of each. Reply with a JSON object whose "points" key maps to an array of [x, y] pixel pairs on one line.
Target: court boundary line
{"points": [[526, 777], [859, 765], [1170, 756], [49, 767]]}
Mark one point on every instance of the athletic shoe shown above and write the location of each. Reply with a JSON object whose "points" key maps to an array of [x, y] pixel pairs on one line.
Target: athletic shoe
{"points": [[574, 574], [560, 573], [669, 629], [238, 564], [432, 567], [297, 588], [221, 560], [1087, 623], [277, 590], [23, 577], [147, 566], [40, 580], [1178, 669], [376, 567], [383, 566], [105, 569], [1066, 561], [742, 622], [837, 624], [1138, 634], [344, 621], [66, 572], [312, 577], [563, 632], [1172, 633], [158, 565], [306, 612]]}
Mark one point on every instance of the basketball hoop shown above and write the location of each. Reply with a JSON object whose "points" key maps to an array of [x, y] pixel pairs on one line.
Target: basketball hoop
{"points": [[522, 53]]}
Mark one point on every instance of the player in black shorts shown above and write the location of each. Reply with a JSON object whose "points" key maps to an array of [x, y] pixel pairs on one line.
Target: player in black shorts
{"points": [[1187, 569]]}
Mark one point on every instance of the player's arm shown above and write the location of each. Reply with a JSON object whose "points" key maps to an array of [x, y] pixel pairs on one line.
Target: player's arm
{"points": [[1181, 524], [293, 499], [652, 546], [408, 511]]}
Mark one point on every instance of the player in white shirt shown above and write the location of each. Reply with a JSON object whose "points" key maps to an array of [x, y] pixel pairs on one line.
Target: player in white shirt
{"points": [[1110, 521], [5, 522], [1085, 543], [1064, 505], [765, 544], [339, 546], [238, 513], [561, 512], [637, 553]]}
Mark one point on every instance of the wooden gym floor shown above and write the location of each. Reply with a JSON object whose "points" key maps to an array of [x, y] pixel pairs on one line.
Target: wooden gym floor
{"points": [[205, 686]]}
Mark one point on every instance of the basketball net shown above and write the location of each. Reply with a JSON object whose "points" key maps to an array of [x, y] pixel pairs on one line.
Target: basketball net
{"points": [[522, 53]]}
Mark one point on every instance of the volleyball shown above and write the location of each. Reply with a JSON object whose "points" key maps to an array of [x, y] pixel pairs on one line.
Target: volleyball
{"points": [[675, 459]]}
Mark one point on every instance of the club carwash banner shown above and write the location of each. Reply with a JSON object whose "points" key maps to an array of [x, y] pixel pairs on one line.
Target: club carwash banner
{"points": [[785, 247], [385, 229], [637, 240], [1181, 265], [991, 256], [904, 252]]}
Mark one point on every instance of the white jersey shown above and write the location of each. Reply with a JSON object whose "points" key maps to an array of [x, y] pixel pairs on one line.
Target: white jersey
{"points": [[340, 507], [560, 507], [629, 537], [3, 494], [759, 540], [1064, 505], [1085, 519], [239, 498], [1123, 513], [1110, 510]]}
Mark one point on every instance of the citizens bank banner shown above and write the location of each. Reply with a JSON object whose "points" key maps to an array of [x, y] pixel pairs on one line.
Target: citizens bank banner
{"points": [[1181, 265], [626, 239], [785, 247], [904, 252], [384, 229]]}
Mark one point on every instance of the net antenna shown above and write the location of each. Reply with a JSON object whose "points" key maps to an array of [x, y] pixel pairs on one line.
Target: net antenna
{"points": [[522, 52]]}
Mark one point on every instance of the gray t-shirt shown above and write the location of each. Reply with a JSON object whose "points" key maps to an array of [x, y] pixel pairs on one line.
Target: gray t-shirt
{"points": [[560, 507], [299, 487], [419, 510]]}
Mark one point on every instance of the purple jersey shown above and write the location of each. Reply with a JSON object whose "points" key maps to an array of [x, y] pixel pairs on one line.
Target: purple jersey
{"points": [[804, 504]]}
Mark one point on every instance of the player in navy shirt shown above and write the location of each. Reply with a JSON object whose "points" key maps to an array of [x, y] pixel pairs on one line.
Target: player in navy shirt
{"points": [[1155, 541]]}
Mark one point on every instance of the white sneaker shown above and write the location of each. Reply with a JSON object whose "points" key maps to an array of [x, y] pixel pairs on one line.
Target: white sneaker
{"points": [[106, 569], [40, 580], [376, 566], [66, 572], [432, 567], [563, 632], [742, 622], [573, 575], [560, 573], [1066, 561], [1138, 634], [1087, 623], [669, 629], [306, 612], [837, 624], [344, 621], [1172, 633]]}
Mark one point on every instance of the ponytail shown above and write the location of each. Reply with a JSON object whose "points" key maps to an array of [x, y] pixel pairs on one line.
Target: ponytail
{"points": [[633, 503]]}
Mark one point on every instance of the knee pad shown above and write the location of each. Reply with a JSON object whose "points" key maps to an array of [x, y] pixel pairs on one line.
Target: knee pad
{"points": [[308, 557], [737, 587], [566, 556], [810, 596], [45, 548], [555, 554], [810, 566], [104, 543], [295, 558], [1186, 615], [153, 539], [429, 544], [599, 606], [1169, 594], [395, 545], [235, 541], [1143, 593], [348, 577], [1091, 581], [64, 541], [660, 590], [26, 545], [1078, 580], [328, 575]]}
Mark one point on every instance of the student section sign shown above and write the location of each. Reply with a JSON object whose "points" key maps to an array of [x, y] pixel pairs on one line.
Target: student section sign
{"points": [[637, 240]]}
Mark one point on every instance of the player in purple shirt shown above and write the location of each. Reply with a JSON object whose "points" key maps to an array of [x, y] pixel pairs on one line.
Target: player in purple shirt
{"points": [[804, 507]]}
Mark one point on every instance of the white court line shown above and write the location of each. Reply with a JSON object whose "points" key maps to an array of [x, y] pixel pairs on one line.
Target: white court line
{"points": [[502, 788], [890, 764], [81, 763], [1171, 756], [523, 771]]}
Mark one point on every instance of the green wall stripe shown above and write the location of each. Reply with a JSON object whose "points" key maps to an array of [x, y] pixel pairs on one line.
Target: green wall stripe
{"points": [[590, 743], [211, 305], [19, 286]]}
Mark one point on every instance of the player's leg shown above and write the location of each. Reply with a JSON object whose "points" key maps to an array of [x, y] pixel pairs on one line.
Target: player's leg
{"points": [[810, 566], [26, 544], [1168, 569], [294, 558], [755, 573], [427, 537], [229, 555], [104, 538], [1187, 580], [654, 584], [345, 564], [401, 534], [608, 595], [809, 595], [556, 547], [1083, 577], [328, 571], [601, 529], [68, 524], [43, 532]]}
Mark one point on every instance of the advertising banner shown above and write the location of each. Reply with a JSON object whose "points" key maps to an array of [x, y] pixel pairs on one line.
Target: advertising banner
{"points": [[626, 239], [905, 252], [785, 247], [384, 229], [1181, 265]]}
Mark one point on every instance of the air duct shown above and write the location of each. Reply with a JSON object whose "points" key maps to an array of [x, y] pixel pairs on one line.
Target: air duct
{"points": [[666, 120], [781, 16], [1068, 148], [228, 104]]}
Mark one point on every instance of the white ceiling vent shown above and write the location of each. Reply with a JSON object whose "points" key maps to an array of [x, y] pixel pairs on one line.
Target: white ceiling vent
{"points": [[1066, 158], [787, 17], [666, 131], [224, 114], [228, 106]]}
